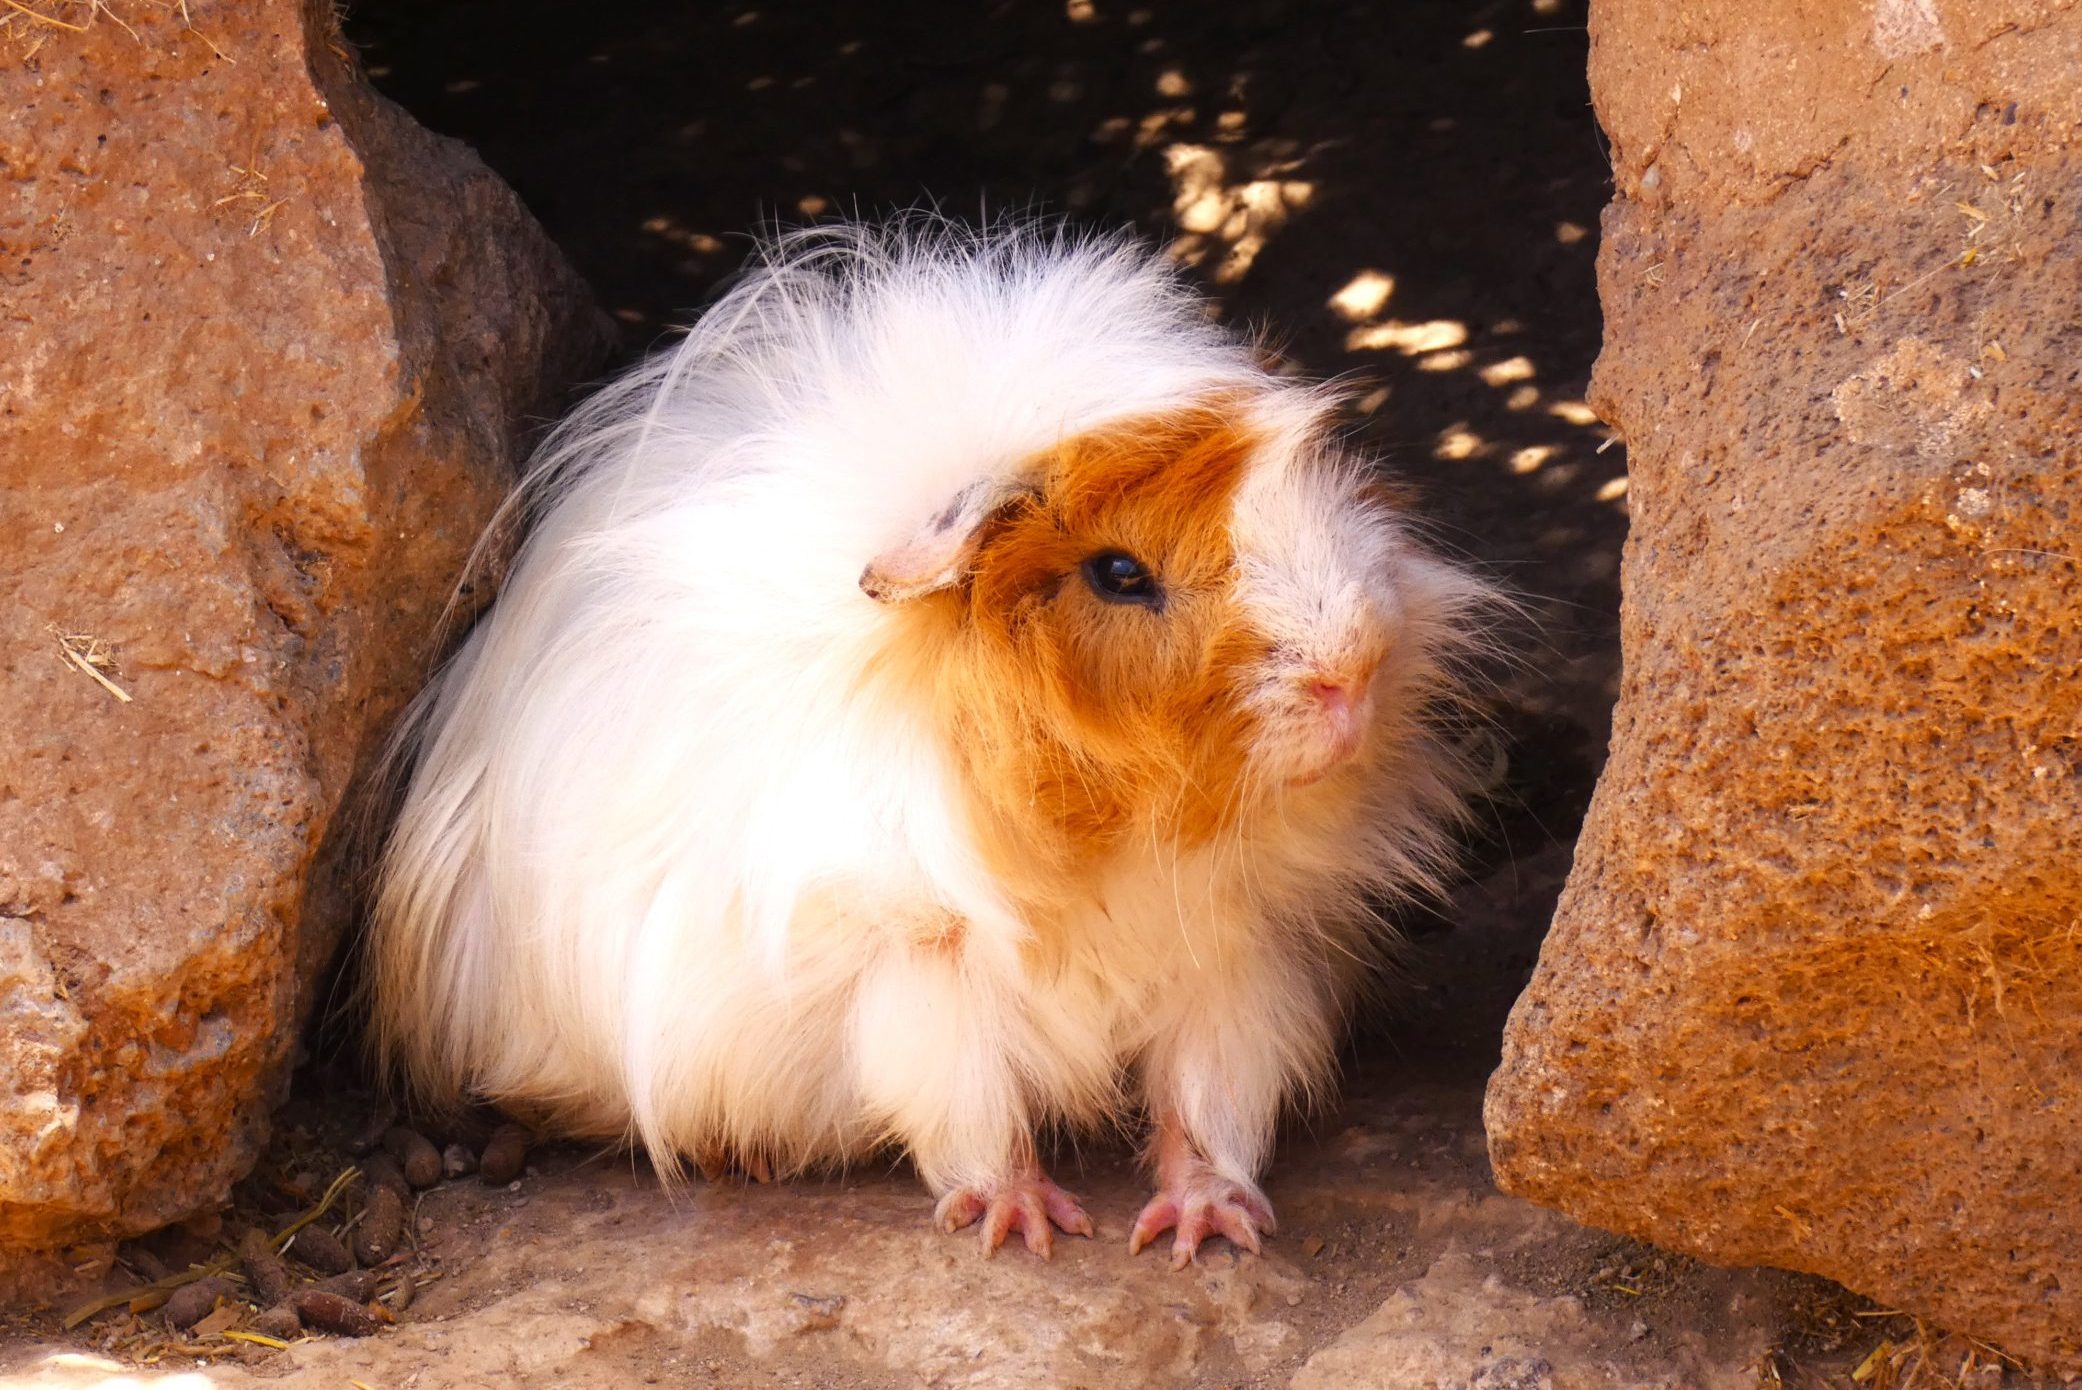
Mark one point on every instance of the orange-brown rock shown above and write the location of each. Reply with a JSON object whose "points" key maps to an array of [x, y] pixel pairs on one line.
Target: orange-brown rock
{"points": [[265, 348], [1813, 996]]}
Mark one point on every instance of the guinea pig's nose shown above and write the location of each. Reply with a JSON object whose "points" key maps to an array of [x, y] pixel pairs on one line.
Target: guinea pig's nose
{"points": [[1339, 692]]}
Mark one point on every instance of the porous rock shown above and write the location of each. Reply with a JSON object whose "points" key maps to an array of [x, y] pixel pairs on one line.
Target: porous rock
{"points": [[269, 351], [1812, 995]]}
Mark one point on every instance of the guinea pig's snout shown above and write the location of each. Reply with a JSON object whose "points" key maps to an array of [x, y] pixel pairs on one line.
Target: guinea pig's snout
{"points": [[1339, 693], [1339, 705]]}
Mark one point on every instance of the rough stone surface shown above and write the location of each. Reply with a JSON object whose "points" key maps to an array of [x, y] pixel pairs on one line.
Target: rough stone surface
{"points": [[267, 348], [1812, 994], [1396, 1267]]}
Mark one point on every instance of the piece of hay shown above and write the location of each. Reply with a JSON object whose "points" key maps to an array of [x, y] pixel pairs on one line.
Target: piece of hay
{"points": [[91, 655]]}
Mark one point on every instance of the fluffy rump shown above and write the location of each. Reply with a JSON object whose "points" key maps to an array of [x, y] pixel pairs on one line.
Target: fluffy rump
{"points": [[705, 846]]}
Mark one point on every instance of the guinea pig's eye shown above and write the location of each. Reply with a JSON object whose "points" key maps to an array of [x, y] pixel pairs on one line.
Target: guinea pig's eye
{"points": [[1119, 577]]}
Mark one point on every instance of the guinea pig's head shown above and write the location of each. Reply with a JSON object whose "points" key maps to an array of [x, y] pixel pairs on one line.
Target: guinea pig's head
{"points": [[1173, 621]]}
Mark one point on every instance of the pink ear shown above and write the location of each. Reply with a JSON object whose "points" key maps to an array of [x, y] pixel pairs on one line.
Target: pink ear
{"points": [[939, 552]]}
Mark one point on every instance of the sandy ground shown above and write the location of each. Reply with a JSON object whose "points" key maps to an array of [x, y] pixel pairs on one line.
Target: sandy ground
{"points": [[1404, 194]]}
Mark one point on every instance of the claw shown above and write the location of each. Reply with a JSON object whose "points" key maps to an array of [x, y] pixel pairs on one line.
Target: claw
{"points": [[1159, 1216], [1028, 1203]]}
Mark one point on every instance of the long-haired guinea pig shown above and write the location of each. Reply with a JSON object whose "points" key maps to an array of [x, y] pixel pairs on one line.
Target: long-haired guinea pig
{"points": [[955, 692]]}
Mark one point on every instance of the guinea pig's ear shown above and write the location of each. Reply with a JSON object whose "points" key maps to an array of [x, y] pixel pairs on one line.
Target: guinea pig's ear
{"points": [[939, 552]]}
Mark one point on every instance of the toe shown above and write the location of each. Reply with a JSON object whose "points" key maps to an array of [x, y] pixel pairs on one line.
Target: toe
{"points": [[1034, 1225], [997, 1224], [1159, 1216], [1066, 1213], [958, 1209], [1234, 1221], [1193, 1227], [1184, 1246]]}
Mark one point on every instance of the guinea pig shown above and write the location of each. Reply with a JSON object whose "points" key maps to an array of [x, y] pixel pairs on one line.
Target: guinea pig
{"points": [[957, 692]]}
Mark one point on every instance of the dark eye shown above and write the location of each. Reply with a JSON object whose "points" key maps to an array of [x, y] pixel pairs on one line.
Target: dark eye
{"points": [[1119, 577]]}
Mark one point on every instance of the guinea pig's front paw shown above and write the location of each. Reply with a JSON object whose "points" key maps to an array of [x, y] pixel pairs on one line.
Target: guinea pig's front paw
{"points": [[1028, 1202], [1199, 1203]]}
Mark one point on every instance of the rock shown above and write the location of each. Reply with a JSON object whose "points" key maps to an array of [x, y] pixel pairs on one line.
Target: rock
{"points": [[1462, 1328], [815, 1312], [268, 349], [1810, 997]]}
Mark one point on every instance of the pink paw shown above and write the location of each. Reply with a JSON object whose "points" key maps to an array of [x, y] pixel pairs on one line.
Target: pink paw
{"points": [[1029, 1203], [1203, 1204]]}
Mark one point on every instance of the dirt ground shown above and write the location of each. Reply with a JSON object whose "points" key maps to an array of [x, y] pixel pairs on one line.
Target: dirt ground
{"points": [[1406, 195]]}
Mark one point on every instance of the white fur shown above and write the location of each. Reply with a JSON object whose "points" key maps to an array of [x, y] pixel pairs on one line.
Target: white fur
{"points": [[672, 842]]}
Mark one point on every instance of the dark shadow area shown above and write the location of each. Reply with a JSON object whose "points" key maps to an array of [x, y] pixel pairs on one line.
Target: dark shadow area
{"points": [[1403, 195]]}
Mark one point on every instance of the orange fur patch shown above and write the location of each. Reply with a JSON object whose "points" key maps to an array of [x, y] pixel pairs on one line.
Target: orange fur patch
{"points": [[1083, 722]]}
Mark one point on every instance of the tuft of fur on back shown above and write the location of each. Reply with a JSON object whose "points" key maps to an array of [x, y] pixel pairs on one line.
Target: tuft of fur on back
{"points": [[706, 847]]}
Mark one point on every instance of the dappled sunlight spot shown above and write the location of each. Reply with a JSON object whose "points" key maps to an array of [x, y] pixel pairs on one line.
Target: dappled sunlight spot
{"points": [[1479, 39], [1569, 233], [1371, 401], [1612, 489], [701, 243], [1156, 127], [1363, 296], [68, 1370], [1509, 370], [1453, 360], [1409, 339], [1574, 412], [1458, 443], [1080, 11], [1235, 220], [1532, 457], [1174, 84], [811, 205], [1523, 398]]}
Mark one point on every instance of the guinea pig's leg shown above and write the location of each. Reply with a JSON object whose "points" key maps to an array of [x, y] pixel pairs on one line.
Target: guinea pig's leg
{"points": [[1231, 1043], [933, 1044], [1196, 1200]]}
